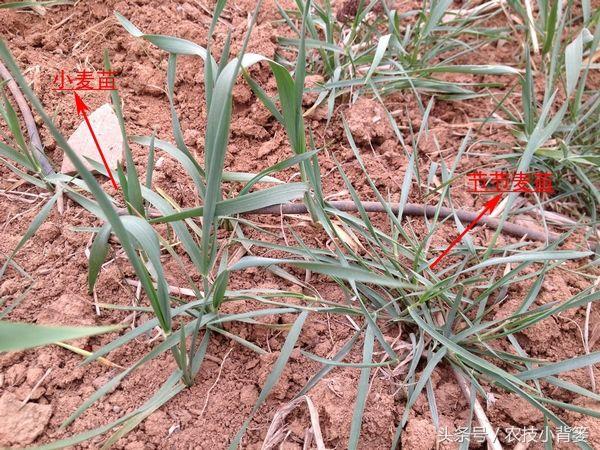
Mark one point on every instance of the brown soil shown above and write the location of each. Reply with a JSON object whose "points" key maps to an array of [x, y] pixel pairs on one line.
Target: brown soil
{"points": [[210, 413]]}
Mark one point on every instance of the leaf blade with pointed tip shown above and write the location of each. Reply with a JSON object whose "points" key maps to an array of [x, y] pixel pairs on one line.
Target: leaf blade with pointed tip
{"points": [[98, 253], [16, 336]]}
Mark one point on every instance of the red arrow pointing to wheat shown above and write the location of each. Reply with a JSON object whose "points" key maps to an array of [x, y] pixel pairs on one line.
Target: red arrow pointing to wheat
{"points": [[488, 207], [82, 109]]}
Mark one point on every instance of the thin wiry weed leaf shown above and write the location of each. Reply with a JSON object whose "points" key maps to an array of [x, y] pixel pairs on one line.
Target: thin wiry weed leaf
{"points": [[347, 364], [144, 328], [168, 343], [170, 388], [343, 351], [432, 363], [273, 377], [533, 257], [561, 366], [502, 378], [363, 389], [473, 360], [492, 69], [179, 227], [32, 229], [347, 272], [133, 195]]}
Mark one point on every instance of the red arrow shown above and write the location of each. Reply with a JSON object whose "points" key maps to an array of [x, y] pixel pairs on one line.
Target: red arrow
{"points": [[82, 109], [489, 206]]}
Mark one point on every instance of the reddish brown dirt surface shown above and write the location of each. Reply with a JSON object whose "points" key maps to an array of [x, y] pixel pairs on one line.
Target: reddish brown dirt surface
{"points": [[210, 413]]}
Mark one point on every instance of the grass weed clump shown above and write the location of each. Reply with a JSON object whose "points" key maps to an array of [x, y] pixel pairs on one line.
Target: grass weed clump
{"points": [[448, 314], [376, 48], [569, 46]]}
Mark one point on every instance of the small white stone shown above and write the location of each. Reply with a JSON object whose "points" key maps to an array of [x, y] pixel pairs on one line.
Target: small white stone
{"points": [[106, 127]]}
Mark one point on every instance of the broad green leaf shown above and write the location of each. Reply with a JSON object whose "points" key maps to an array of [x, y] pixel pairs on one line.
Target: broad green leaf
{"points": [[150, 163], [15, 156], [244, 203], [217, 137], [21, 336], [182, 232], [219, 288], [100, 196], [437, 10], [144, 234], [278, 168], [167, 43], [574, 59], [98, 253], [382, 46], [29, 4]]}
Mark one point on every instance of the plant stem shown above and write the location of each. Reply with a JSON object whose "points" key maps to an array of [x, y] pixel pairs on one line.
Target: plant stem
{"points": [[32, 131], [410, 209], [484, 422]]}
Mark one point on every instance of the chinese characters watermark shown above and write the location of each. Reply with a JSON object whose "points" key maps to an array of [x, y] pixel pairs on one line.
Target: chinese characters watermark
{"points": [[514, 435], [84, 80], [497, 182]]}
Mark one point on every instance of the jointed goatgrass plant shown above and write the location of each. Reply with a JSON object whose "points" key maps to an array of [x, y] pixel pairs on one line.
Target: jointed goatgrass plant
{"points": [[376, 48], [385, 275], [571, 150]]}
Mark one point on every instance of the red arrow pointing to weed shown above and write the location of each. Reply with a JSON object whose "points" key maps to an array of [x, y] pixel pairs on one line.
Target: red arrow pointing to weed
{"points": [[82, 109], [489, 206]]}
